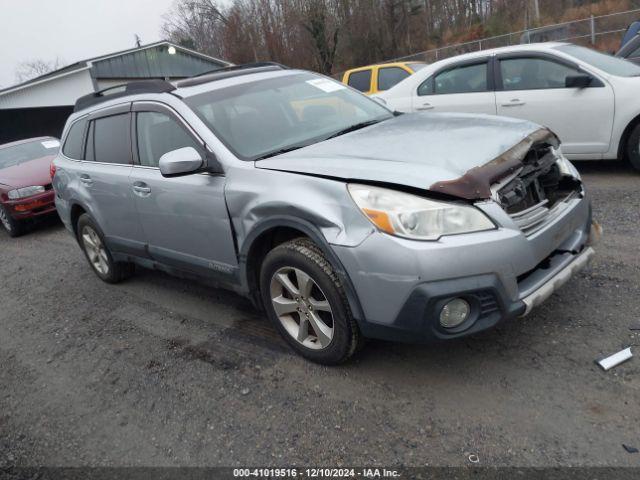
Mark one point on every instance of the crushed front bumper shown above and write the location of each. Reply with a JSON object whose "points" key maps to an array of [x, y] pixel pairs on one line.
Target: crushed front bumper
{"points": [[402, 285], [560, 278]]}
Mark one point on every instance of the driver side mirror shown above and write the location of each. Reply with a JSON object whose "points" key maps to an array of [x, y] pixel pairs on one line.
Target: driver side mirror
{"points": [[182, 161], [578, 81]]}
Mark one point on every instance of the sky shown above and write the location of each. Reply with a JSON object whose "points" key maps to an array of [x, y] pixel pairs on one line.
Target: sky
{"points": [[73, 30]]}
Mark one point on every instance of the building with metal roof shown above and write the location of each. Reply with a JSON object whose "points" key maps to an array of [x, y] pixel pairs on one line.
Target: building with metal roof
{"points": [[40, 106]]}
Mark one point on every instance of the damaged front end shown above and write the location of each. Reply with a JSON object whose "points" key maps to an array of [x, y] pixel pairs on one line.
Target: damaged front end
{"points": [[532, 182]]}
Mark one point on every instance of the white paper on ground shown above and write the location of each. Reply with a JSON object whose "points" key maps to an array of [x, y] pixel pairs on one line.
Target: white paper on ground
{"points": [[615, 359]]}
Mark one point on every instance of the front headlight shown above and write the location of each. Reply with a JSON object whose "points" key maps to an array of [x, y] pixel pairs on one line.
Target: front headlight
{"points": [[414, 217], [25, 192]]}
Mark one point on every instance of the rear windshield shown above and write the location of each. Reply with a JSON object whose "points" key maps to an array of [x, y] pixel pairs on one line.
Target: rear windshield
{"points": [[607, 63], [11, 156]]}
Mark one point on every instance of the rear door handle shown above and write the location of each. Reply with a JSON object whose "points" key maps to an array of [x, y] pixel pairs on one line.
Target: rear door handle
{"points": [[86, 179], [516, 102], [425, 106], [141, 189]]}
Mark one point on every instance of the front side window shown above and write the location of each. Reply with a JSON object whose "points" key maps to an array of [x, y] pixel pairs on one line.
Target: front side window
{"points": [[108, 141], [390, 76], [463, 79], [534, 74], [73, 143], [159, 134], [260, 118], [360, 80]]}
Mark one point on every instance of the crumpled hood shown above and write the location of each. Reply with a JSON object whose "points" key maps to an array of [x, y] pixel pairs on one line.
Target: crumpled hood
{"points": [[33, 172], [426, 151]]}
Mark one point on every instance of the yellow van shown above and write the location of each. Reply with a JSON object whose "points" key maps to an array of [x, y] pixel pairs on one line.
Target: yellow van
{"points": [[378, 78]]}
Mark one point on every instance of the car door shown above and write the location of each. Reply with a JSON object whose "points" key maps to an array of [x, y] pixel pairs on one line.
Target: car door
{"points": [[184, 218], [463, 87], [533, 87], [103, 179]]}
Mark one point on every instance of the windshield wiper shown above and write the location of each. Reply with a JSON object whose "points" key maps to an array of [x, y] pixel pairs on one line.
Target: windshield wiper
{"points": [[353, 128], [279, 152]]}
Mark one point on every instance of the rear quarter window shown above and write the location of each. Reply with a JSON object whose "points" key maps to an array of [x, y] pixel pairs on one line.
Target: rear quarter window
{"points": [[73, 143]]}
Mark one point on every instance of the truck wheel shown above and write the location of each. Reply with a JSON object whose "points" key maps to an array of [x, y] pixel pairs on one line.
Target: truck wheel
{"points": [[95, 249], [306, 302], [14, 227], [633, 147]]}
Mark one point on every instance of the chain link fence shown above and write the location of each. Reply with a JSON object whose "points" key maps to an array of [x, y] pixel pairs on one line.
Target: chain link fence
{"points": [[602, 32]]}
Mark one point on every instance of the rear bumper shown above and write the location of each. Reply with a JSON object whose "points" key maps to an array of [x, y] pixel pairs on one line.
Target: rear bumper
{"points": [[31, 207]]}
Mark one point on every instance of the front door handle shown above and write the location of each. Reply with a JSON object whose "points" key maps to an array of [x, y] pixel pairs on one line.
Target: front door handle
{"points": [[425, 106], [141, 189], [86, 180], [516, 102]]}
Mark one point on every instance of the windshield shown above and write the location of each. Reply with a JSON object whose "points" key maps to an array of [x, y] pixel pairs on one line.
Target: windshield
{"points": [[266, 117], [607, 63], [12, 156]]}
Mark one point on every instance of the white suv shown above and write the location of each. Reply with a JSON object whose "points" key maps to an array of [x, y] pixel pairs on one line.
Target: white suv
{"points": [[589, 99]]}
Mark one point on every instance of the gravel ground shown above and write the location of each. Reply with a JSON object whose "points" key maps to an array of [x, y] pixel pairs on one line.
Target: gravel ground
{"points": [[161, 371]]}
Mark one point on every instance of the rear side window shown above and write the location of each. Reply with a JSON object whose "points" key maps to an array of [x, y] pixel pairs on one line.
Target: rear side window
{"points": [[464, 79], [158, 134], [109, 140], [390, 76], [360, 80], [73, 143]]}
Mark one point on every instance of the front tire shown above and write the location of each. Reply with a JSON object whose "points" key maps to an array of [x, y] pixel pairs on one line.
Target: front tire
{"points": [[633, 148], [14, 227], [306, 302], [92, 242]]}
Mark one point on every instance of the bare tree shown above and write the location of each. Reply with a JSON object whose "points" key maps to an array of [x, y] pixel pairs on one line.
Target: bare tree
{"points": [[30, 69], [330, 35]]}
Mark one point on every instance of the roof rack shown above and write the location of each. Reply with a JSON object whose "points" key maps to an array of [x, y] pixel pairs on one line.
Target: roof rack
{"points": [[131, 88], [233, 71]]}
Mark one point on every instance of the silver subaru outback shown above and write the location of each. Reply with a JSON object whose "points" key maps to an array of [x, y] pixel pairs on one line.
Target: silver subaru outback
{"points": [[340, 219]]}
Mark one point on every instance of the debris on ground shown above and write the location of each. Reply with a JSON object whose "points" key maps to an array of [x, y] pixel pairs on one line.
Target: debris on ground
{"points": [[615, 359], [629, 448]]}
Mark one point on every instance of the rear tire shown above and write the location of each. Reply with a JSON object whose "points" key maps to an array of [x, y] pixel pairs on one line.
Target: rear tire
{"points": [[313, 312], [633, 148], [92, 243], [14, 227]]}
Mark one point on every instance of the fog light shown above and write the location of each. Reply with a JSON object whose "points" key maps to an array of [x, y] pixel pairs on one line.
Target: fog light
{"points": [[455, 313]]}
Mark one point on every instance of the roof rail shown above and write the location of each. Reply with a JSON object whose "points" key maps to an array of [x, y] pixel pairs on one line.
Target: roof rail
{"points": [[131, 88], [232, 71]]}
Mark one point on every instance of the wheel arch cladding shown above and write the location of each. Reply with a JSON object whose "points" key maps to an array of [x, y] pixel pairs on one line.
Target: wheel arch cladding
{"points": [[622, 144], [76, 211], [274, 231]]}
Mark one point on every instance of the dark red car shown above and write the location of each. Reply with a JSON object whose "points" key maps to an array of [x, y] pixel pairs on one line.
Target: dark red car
{"points": [[25, 181]]}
